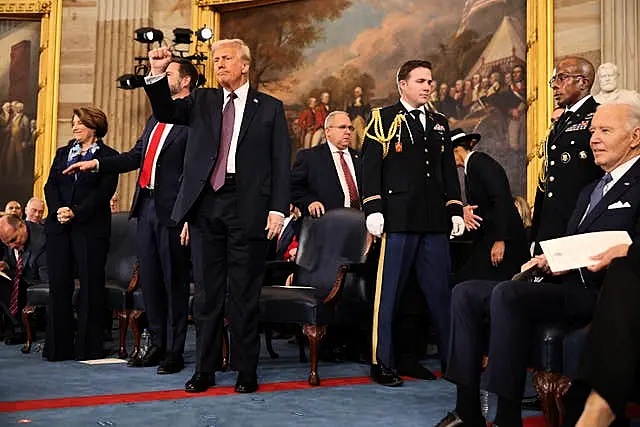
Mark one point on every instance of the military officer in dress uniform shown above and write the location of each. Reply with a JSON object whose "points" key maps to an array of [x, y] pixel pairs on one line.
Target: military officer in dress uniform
{"points": [[411, 197], [569, 164]]}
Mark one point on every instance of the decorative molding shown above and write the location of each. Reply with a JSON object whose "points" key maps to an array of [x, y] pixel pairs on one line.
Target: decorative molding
{"points": [[620, 42], [26, 7]]}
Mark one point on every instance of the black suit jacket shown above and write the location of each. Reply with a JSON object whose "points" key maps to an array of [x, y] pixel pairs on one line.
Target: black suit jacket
{"points": [[168, 168], [415, 187], [570, 168], [487, 186], [87, 196], [314, 178], [34, 256], [262, 156], [602, 218]]}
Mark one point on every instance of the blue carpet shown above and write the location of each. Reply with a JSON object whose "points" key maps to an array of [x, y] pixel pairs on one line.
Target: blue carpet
{"points": [[28, 377]]}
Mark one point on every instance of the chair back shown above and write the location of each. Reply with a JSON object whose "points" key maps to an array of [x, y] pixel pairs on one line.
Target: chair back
{"points": [[122, 255], [336, 238]]}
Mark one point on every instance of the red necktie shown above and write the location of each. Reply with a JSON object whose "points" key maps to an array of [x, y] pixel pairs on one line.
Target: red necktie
{"points": [[354, 199], [228, 119], [147, 166], [13, 306]]}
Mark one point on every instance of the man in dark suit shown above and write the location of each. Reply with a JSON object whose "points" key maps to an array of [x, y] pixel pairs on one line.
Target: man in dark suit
{"points": [[24, 261], [235, 187], [326, 176], [164, 262], [499, 241], [568, 164], [608, 373], [515, 307], [410, 191]]}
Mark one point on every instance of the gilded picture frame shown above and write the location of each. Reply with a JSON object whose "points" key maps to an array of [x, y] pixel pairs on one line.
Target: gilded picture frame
{"points": [[539, 62], [49, 14]]}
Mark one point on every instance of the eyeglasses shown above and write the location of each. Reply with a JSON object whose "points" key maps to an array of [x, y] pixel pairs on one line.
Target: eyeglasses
{"points": [[343, 127], [560, 78]]}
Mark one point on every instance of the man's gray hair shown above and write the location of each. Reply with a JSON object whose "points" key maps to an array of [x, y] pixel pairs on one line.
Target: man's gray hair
{"points": [[633, 118], [329, 120], [245, 52]]}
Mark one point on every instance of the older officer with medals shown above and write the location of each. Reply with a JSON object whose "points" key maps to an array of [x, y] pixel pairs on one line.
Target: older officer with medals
{"points": [[411, 198]]}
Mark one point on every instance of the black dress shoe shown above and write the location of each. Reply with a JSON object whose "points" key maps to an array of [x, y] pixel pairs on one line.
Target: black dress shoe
{"points": [[153, 357], [246, 382], [452, 419], [199, 382], [415, 370], [172, 364], [385, 376]]}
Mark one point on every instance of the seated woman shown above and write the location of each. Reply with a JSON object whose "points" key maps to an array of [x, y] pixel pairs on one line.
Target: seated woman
{"points": [[524, 210], [78, 228]]}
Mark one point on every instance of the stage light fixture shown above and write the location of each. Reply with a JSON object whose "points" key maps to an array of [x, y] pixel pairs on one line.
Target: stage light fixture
{"points": [[148, 35], [182, 35], [204, 34]]}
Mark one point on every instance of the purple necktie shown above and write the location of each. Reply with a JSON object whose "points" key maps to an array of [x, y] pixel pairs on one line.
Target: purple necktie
{"points": [[228, 118]]}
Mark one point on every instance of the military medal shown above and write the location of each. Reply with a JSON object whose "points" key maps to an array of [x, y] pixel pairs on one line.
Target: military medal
{"points": [[398, 146]]}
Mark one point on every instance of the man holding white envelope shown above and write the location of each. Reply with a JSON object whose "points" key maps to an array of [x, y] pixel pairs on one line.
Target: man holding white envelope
{"points": [[516, 307]]}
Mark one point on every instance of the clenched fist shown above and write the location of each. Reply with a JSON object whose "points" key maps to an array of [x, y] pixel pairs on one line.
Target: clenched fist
{"points": [[159, 59]]}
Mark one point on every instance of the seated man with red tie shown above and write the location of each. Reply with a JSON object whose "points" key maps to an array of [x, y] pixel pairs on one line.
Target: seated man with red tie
{"points": [[163, 257], [326, 176], [24, 262]]}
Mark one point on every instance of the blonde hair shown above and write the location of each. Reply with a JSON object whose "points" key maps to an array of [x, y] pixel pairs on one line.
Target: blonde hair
{"points": [[245, 52], [523, 210]]}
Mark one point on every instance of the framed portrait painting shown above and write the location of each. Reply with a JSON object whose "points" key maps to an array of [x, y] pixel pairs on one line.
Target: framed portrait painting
{"points": [[318, 56], [29, 62]]}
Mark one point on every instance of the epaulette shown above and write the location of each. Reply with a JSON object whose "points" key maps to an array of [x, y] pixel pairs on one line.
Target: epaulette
{"points": [[379, 134]]}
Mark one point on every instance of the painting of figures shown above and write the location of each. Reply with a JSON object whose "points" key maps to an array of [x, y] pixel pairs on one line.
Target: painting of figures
{"points": [[19, 59], [319, 56]]}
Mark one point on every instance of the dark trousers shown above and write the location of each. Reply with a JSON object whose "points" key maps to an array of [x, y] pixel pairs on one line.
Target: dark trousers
{"points": [[611, 356], [67, 253], [164, 279], [514, 309], [399, 252], [13, 324], [224, 256]]}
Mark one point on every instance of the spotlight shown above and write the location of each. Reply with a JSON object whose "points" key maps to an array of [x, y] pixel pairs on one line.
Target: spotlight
{"points": [[204, 34], [148, 35], [182, 36], [130, 81]]}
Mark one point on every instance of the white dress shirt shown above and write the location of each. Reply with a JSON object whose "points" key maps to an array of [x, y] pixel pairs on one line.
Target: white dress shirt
{"points": [[423, 116], [335, 155], [238, 104]]}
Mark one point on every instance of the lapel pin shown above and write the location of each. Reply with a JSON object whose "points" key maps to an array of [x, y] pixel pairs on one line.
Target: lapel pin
{"points": [[626, 183], [255, 100]]}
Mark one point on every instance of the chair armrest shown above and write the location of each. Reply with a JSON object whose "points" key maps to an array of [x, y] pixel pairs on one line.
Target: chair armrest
{"points": [[337, 285], [133, 283]]}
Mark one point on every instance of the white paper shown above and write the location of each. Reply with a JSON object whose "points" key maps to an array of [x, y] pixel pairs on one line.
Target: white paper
{"points": [[571, 252], [3, 274], [103, 361]]}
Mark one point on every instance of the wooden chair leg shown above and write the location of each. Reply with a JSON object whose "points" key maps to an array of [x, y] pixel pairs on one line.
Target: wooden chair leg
{"points": [[268, 340], [27, 311], [122, 328], [546, 384], [300, 340], [315, 334], [134, 324]]}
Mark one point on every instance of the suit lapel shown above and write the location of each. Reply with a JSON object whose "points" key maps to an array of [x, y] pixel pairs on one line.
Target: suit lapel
{"points": [[250, 109], [357, 165], [328, 158], [172, 136], [627, 181], [216, 119]]}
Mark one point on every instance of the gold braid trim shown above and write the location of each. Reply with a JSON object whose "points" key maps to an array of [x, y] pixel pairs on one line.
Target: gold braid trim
{"points": [[544, 155], [454, 202], [379, 134], [368, 199]]}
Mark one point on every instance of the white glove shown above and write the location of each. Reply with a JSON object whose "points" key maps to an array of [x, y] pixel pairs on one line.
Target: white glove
{"points": [[458, 226], [375, 224]]}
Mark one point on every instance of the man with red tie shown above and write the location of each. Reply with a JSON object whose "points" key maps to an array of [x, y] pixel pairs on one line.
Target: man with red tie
{"points": [[163, 257], [24, 262], [326, 176]]}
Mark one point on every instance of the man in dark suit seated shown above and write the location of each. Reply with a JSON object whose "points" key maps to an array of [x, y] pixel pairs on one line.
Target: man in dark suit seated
{"points": [[326, 176], [164, 259], [24, 262], [516, 307]]}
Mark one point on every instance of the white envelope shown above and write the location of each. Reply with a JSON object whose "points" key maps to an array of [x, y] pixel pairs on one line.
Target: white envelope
{"points": [[619, 205], [567, 253]]}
